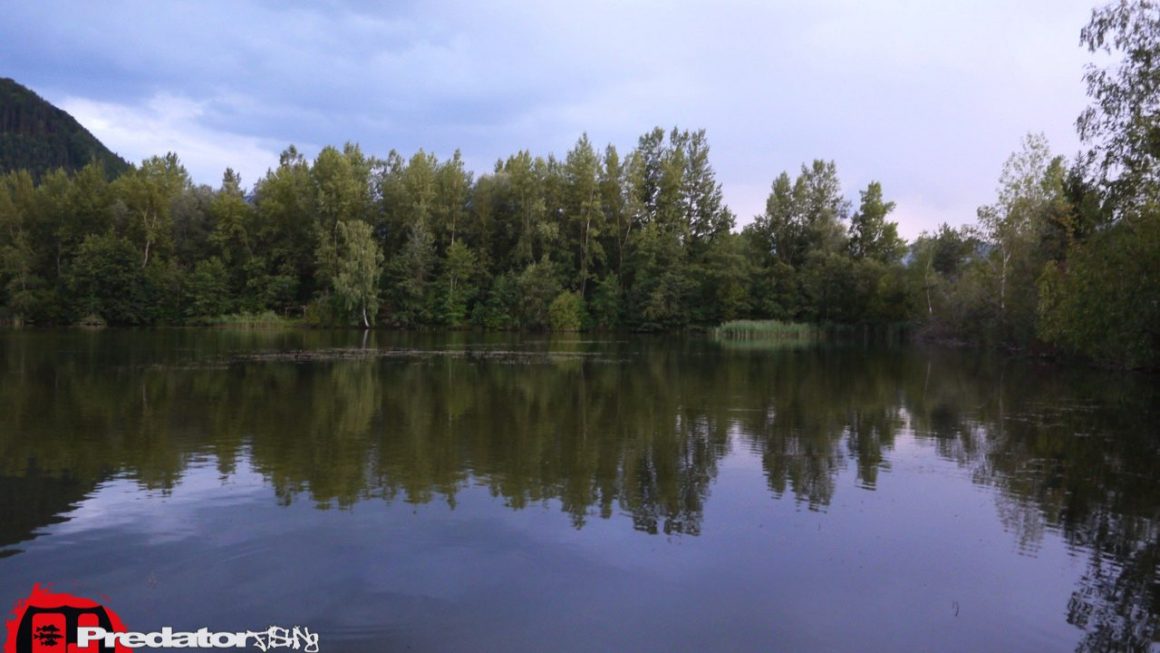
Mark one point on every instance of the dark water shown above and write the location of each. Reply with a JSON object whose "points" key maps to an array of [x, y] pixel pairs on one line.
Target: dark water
{"points": [[435, 493]]}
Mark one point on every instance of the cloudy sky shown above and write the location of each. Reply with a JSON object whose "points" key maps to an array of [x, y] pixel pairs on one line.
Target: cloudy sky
{"points": [[928, 97]]}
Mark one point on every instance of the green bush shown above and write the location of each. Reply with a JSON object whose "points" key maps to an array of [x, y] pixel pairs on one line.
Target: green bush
{"points": [[566, 312], [1105, 302]]}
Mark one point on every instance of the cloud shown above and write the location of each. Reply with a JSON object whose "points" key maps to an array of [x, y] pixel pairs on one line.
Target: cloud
{"points": [[916, 214], [927, 98], [167, 123]]}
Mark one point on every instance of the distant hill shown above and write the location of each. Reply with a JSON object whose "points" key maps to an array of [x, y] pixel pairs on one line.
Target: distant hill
{"points": [[38, 137]]}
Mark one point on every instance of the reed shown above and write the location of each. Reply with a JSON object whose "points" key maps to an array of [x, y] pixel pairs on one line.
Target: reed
{"points": [[766, 330], [262, 319]]}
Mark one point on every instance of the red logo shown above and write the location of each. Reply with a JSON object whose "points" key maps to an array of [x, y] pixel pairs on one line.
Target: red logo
{"points": [[47, 622]]}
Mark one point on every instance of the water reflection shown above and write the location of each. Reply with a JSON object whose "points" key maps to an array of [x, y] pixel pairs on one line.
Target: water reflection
{"points": [[631, 431]]}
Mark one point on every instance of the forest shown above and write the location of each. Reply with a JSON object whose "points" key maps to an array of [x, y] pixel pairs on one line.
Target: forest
{"points": [[38, 137], [1063, 260]]}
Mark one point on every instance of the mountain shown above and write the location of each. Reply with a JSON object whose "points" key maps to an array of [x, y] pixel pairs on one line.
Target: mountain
{"points": [[38, 137]]}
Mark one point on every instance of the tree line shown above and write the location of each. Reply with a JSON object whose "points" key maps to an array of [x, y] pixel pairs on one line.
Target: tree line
{"points": [[592, 240], [1063, 259]]}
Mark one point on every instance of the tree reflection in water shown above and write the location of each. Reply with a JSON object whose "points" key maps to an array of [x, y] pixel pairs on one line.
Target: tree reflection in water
{"points": [[637, 427]]}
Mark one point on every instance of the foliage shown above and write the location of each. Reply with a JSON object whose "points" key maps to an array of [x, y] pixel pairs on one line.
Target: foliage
{"points": [[644, 240], [458, 283], [1121, 124], [871, 235], [538, 288], [1030, 187], [106, 279], [206, 290], [411, 300], [359, 268], [1105, 304], [605, 308], [499, 311], [38, 137], [594, 239], [566, 313]]}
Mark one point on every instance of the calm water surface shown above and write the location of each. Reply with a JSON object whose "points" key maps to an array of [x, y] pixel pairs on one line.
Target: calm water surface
{"points": [[530, 494]]}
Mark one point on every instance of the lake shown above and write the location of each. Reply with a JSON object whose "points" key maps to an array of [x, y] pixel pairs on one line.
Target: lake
{"points": [[587, 493]]}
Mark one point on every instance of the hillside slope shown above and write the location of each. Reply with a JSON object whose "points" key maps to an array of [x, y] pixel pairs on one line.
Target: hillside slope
{"points": [[38, 137]]}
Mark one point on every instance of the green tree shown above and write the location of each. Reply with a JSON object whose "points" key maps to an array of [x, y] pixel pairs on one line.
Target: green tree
{"points": [[148, 193], [871, 234], [614, 204], [937, 262], [207, 289], [779, 230], [661, 285], [359, 268], [231, 215], [538, 287], [500, 310], [1029, 186], [818, 194], [452, 186], [566, 312], [605, 307], [411, 275], [525, 208], [723, 276], [1123, 123], [707, 215], [285, 237], [806, 216], [193, 226], [234, 222], [460, 270], [1105, 304], [106, 279], [341, 184], [583, 209], [17, 258]]}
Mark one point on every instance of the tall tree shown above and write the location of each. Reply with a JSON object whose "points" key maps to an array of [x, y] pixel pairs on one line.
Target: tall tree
{"points": [[525, 206], [460, 270], [287, 236], [1029, 181], [452, 185], [779, 228], [818, 196], [614, 203], [341, 183], [583, 208], [360, 265], [148, 193], [871, 234], [1123, 123], [86, 212], [17, 258], [705, 207], [411, 273]]}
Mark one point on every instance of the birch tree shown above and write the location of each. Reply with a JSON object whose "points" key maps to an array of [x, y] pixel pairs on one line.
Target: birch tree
{"points": [[1010, 224], [357, 284]]}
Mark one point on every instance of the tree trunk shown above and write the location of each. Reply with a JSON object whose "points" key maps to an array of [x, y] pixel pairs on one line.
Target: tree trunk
{"points": [[926, 287], [1003, 285], [584, 258]]}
